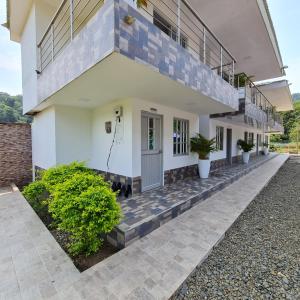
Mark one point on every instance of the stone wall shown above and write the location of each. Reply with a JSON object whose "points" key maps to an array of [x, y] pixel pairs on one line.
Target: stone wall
{"points": [[15, 154]]}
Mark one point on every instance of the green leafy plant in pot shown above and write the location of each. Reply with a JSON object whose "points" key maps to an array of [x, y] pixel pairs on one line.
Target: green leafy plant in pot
{"points": [[203, 147], [246, 147], [266, 148]]}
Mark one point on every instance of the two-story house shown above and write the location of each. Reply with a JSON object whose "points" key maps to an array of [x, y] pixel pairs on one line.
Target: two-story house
{"points": [[124, 87]]}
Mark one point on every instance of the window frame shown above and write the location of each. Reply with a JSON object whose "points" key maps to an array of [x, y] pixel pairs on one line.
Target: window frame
{"points": [[183, 141], [220, 138], [162, 22]]}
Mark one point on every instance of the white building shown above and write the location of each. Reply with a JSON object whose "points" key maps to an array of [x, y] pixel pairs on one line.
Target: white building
{"points": [[124, 88]]}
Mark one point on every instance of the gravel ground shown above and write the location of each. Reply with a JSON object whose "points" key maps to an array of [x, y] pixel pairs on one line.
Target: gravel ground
{"points": [[259, 257]]}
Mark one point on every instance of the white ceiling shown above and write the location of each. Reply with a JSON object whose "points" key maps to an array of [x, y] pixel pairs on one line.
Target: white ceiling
{"points": [[243, 27], [102, 84], [278, 93]]}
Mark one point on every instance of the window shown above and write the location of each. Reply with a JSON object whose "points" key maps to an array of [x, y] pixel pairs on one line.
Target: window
{"points": [[180, 137], [251, 138], [246, 136], [168, 29], [151, 133], [219, 138]]}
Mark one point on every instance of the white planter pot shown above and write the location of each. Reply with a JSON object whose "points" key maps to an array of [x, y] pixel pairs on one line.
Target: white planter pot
{"points": [[204, 168], [246, 156], [266, 151]]}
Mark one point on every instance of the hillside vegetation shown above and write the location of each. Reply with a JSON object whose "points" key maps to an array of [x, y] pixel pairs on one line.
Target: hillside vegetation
{"points": [[291, 121], [11, 109]]}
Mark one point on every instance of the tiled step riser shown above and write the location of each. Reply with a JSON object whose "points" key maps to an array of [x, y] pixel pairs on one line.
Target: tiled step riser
{"points": [[122, 239]]}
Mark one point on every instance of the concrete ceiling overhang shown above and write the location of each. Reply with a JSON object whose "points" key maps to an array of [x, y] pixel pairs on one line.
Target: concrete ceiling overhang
{"points": [[245, 28], [17, 15], [278, 93], [102, 84]]}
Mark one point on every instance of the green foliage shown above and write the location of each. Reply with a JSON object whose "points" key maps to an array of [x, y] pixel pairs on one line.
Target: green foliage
{"points": [[141, 3], [85, 207], [56, 175], [290, 120], [295, 133], [243, 145], [36, 194], [202, 146], [11, 109], [80, 202]]}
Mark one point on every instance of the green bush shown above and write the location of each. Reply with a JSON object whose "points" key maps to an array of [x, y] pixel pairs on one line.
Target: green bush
{"points": [[53, 176], [36, 194], [79, 201], [85, 207]]}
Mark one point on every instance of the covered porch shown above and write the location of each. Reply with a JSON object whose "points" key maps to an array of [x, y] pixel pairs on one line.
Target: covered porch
{"points": [[150, 210]]}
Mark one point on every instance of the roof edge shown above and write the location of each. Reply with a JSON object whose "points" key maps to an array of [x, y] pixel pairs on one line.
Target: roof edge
{"points": [[273, 32]]}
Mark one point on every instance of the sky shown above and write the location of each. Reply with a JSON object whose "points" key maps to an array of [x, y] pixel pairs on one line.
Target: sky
{"points": [[285, 15]]}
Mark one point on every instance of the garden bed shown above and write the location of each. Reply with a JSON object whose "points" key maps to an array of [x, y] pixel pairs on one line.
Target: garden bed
{"points": [[81, 262]]}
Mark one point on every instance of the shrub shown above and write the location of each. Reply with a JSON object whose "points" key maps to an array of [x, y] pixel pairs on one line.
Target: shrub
{"points": [[36, 194], [53, 176], [85, 207]]}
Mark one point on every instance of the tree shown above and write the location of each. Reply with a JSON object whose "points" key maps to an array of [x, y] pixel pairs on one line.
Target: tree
{"points": [[11, 109]]}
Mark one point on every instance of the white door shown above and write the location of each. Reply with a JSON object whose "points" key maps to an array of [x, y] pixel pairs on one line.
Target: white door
{"points": [[151, 151]]}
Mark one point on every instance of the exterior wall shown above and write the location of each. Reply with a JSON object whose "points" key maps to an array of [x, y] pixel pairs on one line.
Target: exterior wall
{"points": [[44, 139], [142, 42], [94, 42], [237, 133], [29, 62], [121, 154], [168, 114], [73, 134], [15, 154]]}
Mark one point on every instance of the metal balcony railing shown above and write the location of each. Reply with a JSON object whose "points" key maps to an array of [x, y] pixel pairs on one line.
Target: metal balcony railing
{"points": [[174, 17], [257, 97], [181, 22], [69, 19]]}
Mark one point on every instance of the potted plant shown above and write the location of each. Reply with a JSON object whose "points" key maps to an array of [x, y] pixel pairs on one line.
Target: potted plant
{"points": [[203, 147], [266, 148], [246, 147]]}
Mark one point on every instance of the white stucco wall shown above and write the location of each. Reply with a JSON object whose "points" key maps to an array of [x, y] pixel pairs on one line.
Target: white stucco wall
{"points": [[168, 114], [29, 63], [73, 134], [209, 125], [121, 153], [44, 139]]}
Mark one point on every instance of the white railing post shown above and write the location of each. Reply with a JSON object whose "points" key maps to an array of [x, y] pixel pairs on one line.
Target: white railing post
{"points": [[221, 61], [178, 20], [52, 41], [204, 45], [71, 19], [232, 83]]}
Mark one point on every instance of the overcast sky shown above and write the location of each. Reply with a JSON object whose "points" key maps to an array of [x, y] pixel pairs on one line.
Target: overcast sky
{"points": [[285, 15]]}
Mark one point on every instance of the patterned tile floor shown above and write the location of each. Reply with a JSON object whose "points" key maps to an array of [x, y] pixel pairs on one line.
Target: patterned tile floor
{"points": [[144, 207]]}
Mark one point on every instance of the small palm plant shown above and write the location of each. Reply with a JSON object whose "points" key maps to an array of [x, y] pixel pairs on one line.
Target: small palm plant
{"points": [[203, 147], [246, 147], [243, 145]]}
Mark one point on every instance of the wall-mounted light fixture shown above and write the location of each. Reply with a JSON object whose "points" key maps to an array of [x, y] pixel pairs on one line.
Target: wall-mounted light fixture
{"points": [[129, 20]]}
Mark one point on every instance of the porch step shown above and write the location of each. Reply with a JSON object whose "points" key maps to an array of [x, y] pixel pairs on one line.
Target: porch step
{"points": [[152, 209]]}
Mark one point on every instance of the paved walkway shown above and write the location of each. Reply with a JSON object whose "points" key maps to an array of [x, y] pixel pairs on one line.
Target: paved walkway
{"points": [[33, 266]]}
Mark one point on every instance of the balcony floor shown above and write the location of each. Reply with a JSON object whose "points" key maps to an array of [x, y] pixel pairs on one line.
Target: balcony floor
{"points": [[150, 210]]}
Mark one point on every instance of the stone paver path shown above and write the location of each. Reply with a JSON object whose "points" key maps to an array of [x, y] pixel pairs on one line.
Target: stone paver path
{"points": [[33, 266]]}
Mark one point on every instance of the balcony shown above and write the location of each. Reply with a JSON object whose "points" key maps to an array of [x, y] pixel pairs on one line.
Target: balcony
{"points": [[116, 42], [254, 108]]}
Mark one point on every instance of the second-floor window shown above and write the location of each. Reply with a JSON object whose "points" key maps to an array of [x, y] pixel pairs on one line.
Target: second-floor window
{"points": [[219, 138], [167, 28]]}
